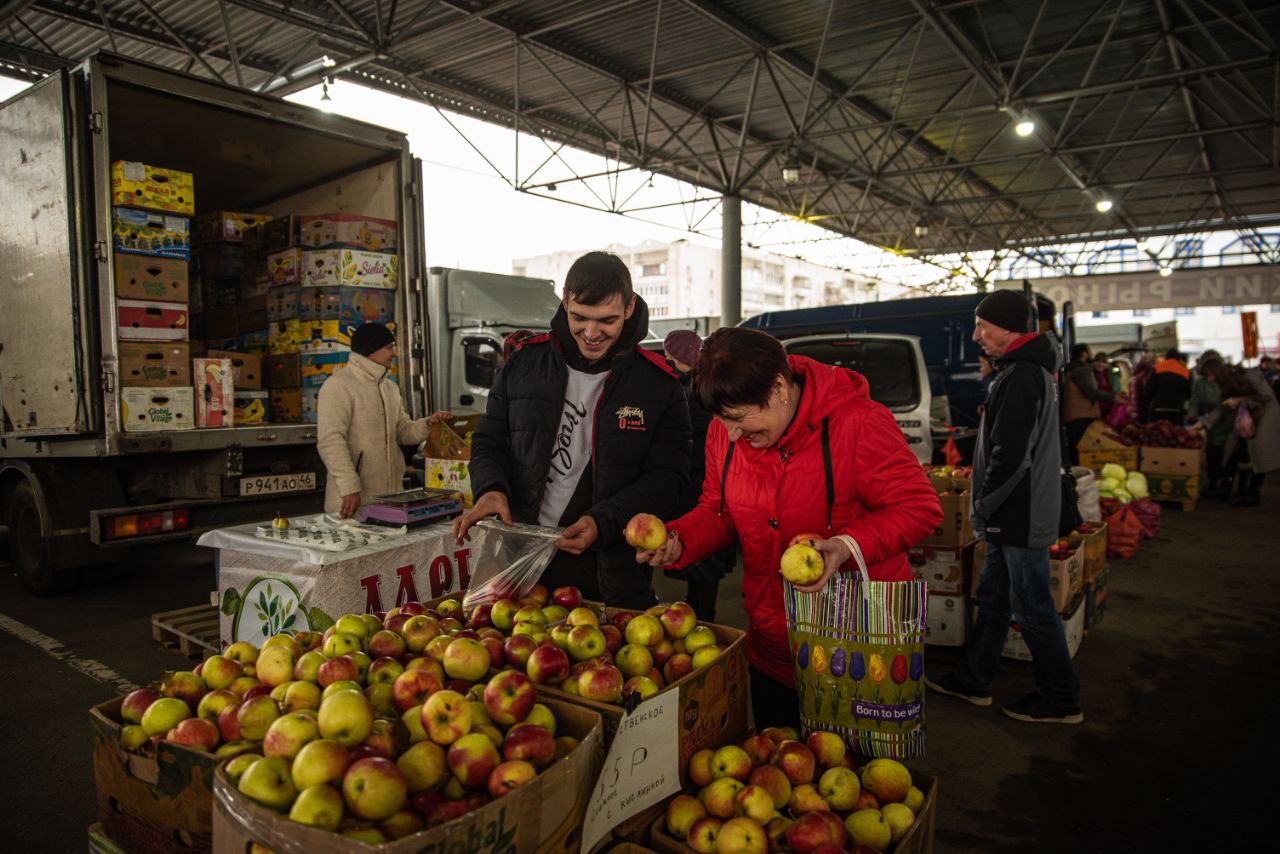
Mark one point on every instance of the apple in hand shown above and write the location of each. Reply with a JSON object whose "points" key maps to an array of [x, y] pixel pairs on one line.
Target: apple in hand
{"points": [[802, 564], [645, 532]]}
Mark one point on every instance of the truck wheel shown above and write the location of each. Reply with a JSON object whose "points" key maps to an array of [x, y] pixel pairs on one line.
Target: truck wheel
{"points": [[32, 558]]}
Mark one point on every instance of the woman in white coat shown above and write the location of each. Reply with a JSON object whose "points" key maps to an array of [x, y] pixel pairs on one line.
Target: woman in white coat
{"points": [[362, 424]]}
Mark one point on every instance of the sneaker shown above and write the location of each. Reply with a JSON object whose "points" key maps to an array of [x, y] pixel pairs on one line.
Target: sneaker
{"points": [[948, 684], [1033, 709]]}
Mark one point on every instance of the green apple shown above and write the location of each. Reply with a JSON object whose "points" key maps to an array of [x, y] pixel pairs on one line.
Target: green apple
{"points": [[133, 736], [236, 767], [287, 735], [163, 715], [346, 717], [269, 782], [318, 806], [320, 761]]}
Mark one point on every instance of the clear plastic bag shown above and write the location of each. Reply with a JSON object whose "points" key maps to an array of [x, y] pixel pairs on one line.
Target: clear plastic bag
{"points": [[510, 560]]}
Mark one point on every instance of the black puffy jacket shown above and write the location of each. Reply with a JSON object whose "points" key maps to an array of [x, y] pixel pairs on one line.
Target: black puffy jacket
{"points": [[640, 447]]}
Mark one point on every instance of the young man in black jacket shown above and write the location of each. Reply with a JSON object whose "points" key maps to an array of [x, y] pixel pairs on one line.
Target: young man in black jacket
{"points": [[584, 429], [1017, 498]]}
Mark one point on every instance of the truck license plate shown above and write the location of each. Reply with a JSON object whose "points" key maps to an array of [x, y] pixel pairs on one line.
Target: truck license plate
{"points": [[270, 484]]}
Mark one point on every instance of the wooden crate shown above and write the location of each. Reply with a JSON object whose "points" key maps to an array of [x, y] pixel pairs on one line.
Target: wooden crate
{"points": [[192, 631]]}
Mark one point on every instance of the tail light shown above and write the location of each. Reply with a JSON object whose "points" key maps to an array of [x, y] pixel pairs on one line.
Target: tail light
{"points": [[145, 524]]}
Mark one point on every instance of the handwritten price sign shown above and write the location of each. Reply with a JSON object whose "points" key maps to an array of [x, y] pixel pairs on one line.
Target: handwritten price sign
{"points": [[642, 768]]}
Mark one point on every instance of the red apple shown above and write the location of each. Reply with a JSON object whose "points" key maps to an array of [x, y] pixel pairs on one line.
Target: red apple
{"points": [[548, 665], [529, 742], [336, 670], [567, 597], [196, 733], [538, 593], [412, 687], [135, 703], [509, 697], [645, 532], [516, 650]]}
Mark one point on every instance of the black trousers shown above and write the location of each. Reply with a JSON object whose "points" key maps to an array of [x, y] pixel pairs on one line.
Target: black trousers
{"points": [[773, 703], [1075, 431]]}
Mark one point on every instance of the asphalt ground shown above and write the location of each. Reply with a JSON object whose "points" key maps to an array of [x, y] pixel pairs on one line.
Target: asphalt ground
{"points": [[1175, 752]]}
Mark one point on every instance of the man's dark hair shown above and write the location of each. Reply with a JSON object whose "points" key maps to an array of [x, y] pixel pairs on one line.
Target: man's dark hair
{"points": [[597, 276], [737, 367], [1079, 350]]}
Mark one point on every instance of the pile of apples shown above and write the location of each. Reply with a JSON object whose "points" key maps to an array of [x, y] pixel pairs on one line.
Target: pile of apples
{"points": [[1157, 434], [381, 727], [563, 644], [773, 792], [949, 480]]}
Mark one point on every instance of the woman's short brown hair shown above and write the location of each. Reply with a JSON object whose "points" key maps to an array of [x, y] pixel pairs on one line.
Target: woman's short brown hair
{"points": [[737, 367]]}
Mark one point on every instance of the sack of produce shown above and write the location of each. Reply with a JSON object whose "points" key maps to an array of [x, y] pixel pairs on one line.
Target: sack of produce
{"points": [[1124, 533]]}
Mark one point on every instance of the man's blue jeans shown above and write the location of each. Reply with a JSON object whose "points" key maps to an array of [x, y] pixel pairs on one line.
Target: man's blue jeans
{"points": [[1015, 583]]}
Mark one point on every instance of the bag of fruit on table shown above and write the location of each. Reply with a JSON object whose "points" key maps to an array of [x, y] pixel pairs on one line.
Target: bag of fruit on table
{"points": [[858, 647]]}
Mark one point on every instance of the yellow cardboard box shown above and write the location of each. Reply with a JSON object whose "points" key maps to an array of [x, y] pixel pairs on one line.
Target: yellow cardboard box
{"points": [[140, 185]]}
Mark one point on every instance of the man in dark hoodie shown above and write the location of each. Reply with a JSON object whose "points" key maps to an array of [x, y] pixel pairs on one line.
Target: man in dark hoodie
{"points": [[1017, 496], [584, 429]]}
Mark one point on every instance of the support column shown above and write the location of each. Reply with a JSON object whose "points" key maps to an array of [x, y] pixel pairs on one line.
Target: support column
{"points": [[730, 261]]}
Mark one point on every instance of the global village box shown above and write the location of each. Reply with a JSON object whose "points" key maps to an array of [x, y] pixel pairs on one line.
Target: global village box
{"points": [[147, 409], [545, 814], [150, 278]]}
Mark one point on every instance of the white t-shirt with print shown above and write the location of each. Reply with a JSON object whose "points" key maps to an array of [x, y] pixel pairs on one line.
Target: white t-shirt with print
{"points": [[572, 450]]}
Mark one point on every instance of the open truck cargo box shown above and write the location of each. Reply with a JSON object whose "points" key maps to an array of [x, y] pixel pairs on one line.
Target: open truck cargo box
{"points": [[246, 152]]}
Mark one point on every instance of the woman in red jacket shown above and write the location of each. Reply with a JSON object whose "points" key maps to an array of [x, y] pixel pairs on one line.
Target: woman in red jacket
{"points": [[797, 448]]}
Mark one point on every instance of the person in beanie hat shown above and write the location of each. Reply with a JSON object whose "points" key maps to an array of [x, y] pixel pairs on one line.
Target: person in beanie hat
{"points": [[361, 424], [1015, 506], [682, 348]]}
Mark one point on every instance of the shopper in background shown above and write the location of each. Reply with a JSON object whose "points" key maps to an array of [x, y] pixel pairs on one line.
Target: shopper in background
{"points": [[1140, 384], [584, 429], [683, 347], [1017, 494], [1106, 378], [797, 448], [1082, 399], [1206, 395], [988, 373], [361, 424], [1251, 456], [1170, 388]]}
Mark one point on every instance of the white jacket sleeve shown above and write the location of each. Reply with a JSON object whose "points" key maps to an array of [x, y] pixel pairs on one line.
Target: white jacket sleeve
{"points": [[333, 421], [409, 431]]}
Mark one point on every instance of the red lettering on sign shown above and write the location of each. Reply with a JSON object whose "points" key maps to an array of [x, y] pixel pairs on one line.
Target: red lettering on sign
{"points": [[464, 575], [441, 576], [408, 591], [373, 600]]}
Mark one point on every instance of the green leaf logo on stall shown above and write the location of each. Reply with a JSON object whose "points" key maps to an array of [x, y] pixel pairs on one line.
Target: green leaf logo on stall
{"points": [[270, 605]]}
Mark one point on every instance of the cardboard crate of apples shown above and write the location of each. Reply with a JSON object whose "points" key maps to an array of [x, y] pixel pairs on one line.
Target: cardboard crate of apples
{"points": [[377, 729], [611, 659], [772, 792]]}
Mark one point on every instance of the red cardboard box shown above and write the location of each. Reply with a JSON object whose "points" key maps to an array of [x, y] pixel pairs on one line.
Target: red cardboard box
{"points": [[246, 367], [215, 391], [139, 320]]}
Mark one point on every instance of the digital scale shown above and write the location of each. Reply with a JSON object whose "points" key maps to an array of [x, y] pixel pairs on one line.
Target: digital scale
{"points": [[412, 507]]}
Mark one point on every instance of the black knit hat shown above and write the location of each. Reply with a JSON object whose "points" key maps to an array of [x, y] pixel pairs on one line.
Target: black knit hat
{"points": [[1006, 309], [369, 338]]}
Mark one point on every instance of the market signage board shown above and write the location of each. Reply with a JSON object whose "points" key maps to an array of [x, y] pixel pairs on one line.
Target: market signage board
{"points": [[1245, 285], [641, 769]]}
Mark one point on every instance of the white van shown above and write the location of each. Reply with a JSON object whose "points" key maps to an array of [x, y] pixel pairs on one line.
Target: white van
{"points": [[895, 370]]}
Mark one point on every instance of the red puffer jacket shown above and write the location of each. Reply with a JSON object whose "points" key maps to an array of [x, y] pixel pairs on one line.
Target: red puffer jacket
{"points": [[882, 499]]}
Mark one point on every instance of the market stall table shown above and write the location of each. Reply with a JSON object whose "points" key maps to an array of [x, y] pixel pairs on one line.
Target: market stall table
{"points": [[266, 587]]}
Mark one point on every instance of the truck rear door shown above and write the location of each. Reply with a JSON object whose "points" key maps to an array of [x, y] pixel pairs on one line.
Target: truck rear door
{"points": [[894, 368], [42, 340]]}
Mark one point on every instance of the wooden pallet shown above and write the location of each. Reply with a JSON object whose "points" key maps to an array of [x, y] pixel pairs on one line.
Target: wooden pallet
{"points": [[192, 631]]}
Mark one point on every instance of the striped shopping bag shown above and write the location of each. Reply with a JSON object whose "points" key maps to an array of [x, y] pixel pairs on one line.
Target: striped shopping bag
{"points": [[858, 649]]}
